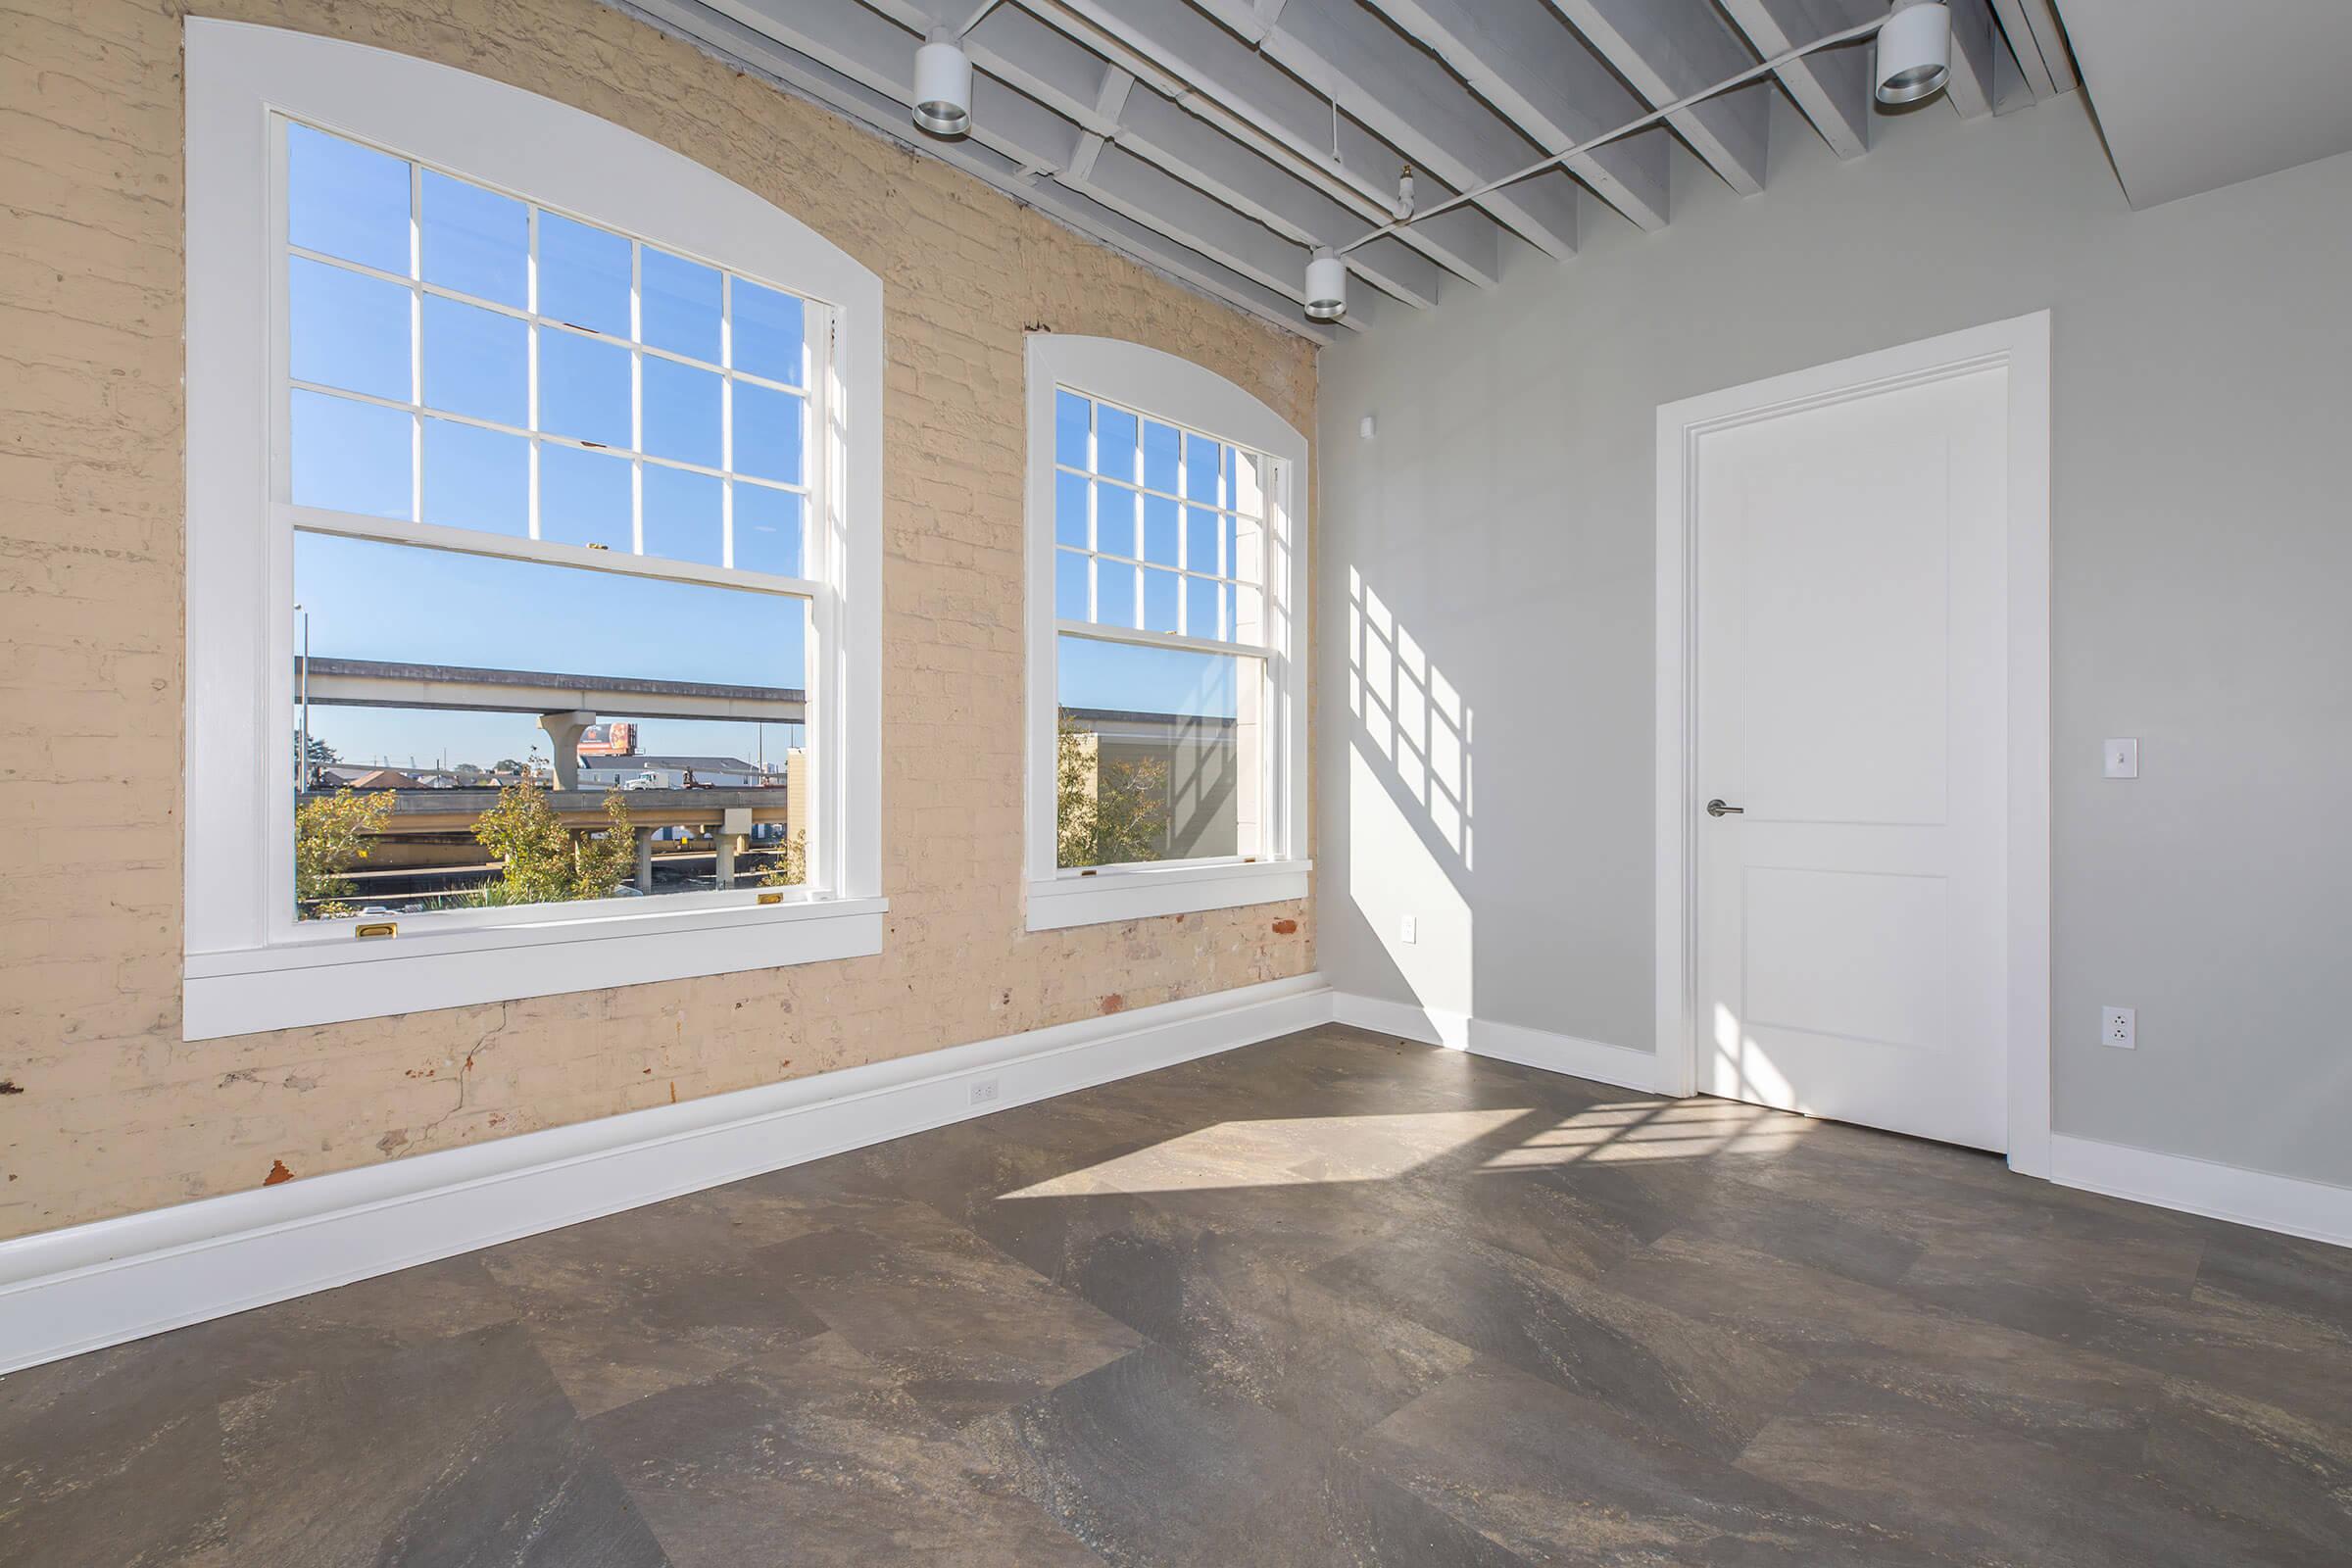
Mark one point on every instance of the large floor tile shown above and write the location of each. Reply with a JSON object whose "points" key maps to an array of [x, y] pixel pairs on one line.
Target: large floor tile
{"points": [[1146, 1464], [813, 1455], [1561, 1478], [964, 1328], [459, 1451]]}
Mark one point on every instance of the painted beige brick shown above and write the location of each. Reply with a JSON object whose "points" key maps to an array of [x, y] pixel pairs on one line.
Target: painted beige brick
{"points": [[116, 1112]]}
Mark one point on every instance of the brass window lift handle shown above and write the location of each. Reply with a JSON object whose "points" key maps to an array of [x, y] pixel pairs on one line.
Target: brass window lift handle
{"points": [[1716, 807]]}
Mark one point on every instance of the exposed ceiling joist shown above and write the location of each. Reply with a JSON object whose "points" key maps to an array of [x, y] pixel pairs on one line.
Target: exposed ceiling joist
{"points": [[877, 51], [1412, 103], [1208, 71], [1668, 49], [1516, 55], [1832, 87], [1226, 142], [2039, 45], [1237, 170], [886, 110], [1971, 88], [1111, 102]]}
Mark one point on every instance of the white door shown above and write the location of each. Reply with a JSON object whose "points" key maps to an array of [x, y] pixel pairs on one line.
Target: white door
{"points": [[1850, 640]]}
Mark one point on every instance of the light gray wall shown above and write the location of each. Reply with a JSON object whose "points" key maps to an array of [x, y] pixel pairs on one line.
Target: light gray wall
{"points": [[1504, 515]]}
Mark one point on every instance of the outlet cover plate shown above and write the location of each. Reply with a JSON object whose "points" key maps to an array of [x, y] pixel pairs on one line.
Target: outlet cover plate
{"points": [[2119, 1027]]}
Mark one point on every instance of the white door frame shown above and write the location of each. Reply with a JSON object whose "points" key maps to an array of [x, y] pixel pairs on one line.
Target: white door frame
{"points": [[2023, 346]]}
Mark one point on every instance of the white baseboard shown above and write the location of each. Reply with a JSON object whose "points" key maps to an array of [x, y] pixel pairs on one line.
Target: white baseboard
{"points": [[89, 1286], [1506, 1041], [2318, 1210]]}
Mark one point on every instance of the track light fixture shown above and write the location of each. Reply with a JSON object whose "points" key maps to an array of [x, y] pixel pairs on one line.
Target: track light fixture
{"points": [[1915, 52], [1326, 285], [942, 86]]}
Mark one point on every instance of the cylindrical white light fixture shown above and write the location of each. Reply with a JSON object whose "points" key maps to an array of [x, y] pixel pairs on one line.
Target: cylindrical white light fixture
{"points": [[1915, 52], [1326, 285], [943, 87]]}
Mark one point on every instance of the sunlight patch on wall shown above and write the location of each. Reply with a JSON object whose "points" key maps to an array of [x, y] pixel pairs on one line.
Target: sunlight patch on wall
{"points": [[1411, 714]]}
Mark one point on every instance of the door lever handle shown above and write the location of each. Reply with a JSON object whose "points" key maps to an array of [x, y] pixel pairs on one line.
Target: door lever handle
{"points": [[1716, 807]]}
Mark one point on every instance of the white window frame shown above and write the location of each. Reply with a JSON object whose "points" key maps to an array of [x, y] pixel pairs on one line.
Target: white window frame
{"points": [[1160, 387], [248, 964]]}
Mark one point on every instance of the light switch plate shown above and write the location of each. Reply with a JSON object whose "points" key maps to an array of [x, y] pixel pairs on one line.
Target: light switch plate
{"points": [[1408, 930], [2122, 759]]}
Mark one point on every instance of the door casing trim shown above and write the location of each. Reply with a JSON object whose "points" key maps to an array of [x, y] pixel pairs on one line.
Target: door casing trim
{"points": [[2021, 347]]}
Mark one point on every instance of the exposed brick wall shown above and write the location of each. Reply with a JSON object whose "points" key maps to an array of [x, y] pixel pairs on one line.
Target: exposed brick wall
{"points": [[117, 1114]]}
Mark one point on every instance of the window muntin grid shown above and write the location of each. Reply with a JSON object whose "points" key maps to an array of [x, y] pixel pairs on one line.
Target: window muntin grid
{"points": [[1159, 528], [742, 477]]}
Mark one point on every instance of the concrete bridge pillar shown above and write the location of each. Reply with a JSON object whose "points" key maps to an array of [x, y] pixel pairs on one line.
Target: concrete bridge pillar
{"points": [[563, 734], [645, 859], [728, 841]]}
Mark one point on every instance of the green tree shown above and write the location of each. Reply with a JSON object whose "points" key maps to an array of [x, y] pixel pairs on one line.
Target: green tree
{"points": [[330, 836], [548, 863], [790, 866], [1107, 814]]}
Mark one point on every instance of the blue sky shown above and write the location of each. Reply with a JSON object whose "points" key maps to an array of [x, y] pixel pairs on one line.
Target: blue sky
{"points": [[387, 602]]}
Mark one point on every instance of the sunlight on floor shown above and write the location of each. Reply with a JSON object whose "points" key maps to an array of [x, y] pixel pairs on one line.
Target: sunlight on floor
{"points": [[1657, 1129], [1284, 1152]]}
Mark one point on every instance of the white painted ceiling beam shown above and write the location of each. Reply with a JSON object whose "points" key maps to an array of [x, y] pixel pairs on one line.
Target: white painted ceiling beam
{"points": [[1111, 102], [1516, 55], [2017, 21], [1971, 88], [1411, 102], [1668, 49], [1208, 70], [1197, 151], [2049, 37], [1150, 195], [746, 46], [1832, 87], [871, 48], [1046, 63]]}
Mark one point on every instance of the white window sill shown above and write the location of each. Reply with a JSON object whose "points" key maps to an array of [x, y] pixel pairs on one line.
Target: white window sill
{"points": [[1141, 891], [335, 981]]}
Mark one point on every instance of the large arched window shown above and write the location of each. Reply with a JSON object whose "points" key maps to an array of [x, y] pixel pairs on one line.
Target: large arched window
{"points": [[1167, 687], [533, 568]]}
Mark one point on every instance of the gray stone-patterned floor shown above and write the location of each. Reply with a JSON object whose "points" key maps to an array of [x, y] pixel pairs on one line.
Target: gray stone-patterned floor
{"points": [[1329, 1300]]}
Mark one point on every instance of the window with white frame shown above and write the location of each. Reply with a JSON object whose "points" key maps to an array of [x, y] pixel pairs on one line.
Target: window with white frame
{"points": [[533, 576], [1166, 687]]}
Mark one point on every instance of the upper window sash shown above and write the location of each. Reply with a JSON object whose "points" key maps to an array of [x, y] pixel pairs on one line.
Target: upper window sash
{"points": [[242, 522], [802, 391]]}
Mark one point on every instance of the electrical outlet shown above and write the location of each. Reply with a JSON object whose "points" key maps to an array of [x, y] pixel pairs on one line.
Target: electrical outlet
{"points": [[2119, 1027], [984, 1090], [1408, 930]]}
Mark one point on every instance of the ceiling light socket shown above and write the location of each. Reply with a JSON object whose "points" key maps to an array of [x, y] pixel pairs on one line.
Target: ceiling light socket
{"points": [[943, 87], [1915, 53], [1326, 285]]}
